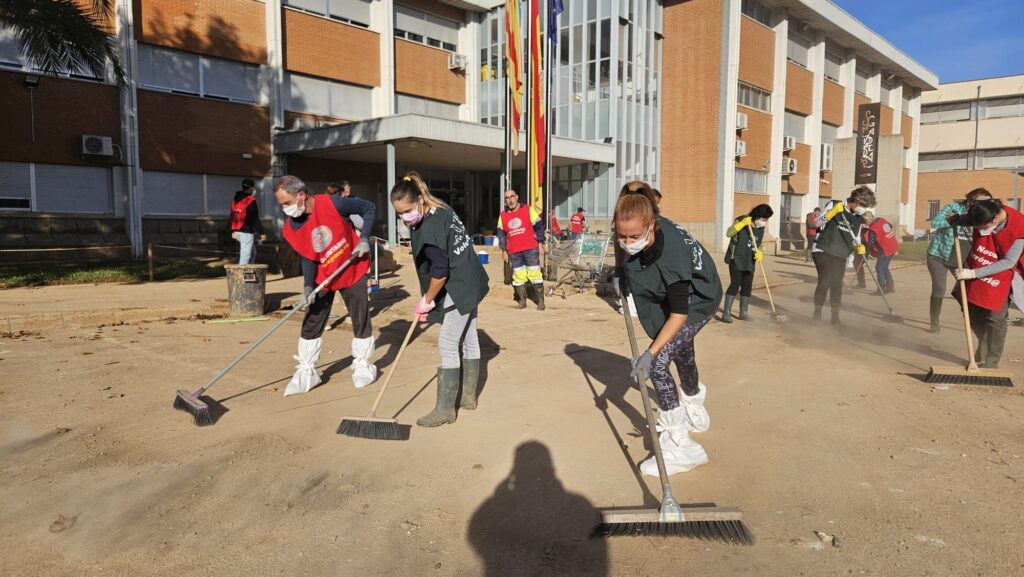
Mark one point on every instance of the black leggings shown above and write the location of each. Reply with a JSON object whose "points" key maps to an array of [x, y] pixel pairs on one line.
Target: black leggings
{"points": [[830, 279], [740, 281], [357, 302]]}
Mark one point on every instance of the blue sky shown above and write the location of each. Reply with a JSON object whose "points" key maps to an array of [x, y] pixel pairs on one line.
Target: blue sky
{"points": [[956, 39]]}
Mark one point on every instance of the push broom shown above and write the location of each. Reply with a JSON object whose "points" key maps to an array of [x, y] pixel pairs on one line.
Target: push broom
{"points": [[972, 374], [371, 426], [711, 523], [192, 402], [776, 316]]}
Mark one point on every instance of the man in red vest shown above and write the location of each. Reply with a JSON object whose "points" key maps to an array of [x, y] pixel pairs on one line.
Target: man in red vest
{"points": [[882, 244], [319, 228], [576, 224], [521, 237], [245, 221]]}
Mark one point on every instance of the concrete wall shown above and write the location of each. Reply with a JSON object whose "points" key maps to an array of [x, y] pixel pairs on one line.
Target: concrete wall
{"points": [[992, 133], [233, 29], [322, 47], [968, 89]]}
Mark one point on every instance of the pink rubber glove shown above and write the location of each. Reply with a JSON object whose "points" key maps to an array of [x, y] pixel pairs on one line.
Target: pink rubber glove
{"points": [[422, 308]]}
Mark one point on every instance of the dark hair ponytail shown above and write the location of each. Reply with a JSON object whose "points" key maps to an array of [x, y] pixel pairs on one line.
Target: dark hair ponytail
{"points": [[982, 213]]}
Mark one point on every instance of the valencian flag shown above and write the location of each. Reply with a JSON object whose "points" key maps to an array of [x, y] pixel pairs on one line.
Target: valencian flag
{"points": [[514, 67], [538, 138]]}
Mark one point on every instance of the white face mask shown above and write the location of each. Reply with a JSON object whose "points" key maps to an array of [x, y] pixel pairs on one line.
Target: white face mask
{"points": [[294, 210], [986, 231], [859, 210], [760, 223], [632, 249]]}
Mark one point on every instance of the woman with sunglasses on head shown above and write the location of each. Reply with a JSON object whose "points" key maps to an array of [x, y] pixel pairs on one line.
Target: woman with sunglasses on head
{"points": [[676, 290]]}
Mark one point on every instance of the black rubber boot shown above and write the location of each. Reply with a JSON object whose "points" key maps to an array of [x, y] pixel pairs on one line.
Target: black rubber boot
{"points": [[470, 382], [727, 308], [835, 319], [521, 297], [934, 311], [995, 341], [817, 313], [447, 390], [891, 287], [744, 304], [539, 288]]}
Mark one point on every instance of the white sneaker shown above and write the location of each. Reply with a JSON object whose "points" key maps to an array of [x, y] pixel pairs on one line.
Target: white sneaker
{"points": [[305, 377], [681, 453], [363, 370], [697, 416]]}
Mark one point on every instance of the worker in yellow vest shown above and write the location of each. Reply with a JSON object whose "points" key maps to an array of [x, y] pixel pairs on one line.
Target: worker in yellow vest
{"points": [[521, 237]]}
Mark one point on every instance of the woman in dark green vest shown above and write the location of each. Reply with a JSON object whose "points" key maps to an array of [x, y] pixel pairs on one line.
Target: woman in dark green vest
{"points": [[742, 257], [676, 290], [451, 275], [838, 238]]}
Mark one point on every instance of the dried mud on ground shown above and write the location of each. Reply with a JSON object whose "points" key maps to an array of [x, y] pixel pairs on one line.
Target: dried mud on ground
{"points": [[811, 432]]}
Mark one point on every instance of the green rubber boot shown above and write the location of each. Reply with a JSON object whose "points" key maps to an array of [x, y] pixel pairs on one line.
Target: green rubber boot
{"points": [[995, 341], [727, 308], [447, 390], [470, 381], [935, 311], [744, 304], [539, 288], [521, 296]]}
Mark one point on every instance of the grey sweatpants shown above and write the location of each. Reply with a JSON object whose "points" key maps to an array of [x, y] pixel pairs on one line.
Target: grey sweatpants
{"points": [[939, 271], [457, 328]]}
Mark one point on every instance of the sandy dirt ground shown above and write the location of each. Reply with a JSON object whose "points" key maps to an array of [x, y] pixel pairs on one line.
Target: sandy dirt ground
{"points": [[811, 431]]}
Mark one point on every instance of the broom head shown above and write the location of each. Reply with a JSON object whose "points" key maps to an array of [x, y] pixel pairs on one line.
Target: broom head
{"points": [[969, 376], [373, 428], [723, 524], [191, 403]]}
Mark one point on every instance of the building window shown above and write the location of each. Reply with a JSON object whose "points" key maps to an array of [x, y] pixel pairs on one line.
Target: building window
{"points": [[885, 96], [355, 12], [1004, 158], [757, 11], [798, 49], [754, 97], [833, 66], [405, 104], [1002, 107], [933, 209], [942, 161], [56, 188], [186, 73], [908, 95], [861, 82], [12, 56], [953, 112], [795, 126], [327, 98], [829, 133], [424, 28], [187, 194], [751, 181]]}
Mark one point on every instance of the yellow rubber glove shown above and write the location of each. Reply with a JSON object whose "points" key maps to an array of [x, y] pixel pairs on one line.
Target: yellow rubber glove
{"points": [[742, 224], [861, 249], [832, 212], [758, 255]]}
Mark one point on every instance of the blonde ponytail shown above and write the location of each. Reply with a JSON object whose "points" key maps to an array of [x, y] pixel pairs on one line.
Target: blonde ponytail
{"points": [[412, 188]]}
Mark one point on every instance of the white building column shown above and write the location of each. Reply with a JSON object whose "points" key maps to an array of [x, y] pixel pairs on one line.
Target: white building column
{"points": [[132, 182], [816, 60], [729, 73], [848, 75], [275, 94], [469, 45], [781, 27], [382, 21]]}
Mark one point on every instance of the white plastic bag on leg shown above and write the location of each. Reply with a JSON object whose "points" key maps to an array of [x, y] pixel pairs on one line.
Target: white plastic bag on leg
{"points": [[305, 377]]}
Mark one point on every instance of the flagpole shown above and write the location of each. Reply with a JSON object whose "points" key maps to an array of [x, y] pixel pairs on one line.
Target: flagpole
{"points": [[548, 89], [528, 96], [507, 158]]}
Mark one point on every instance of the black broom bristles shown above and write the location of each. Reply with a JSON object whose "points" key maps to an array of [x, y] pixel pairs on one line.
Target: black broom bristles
{"points": [[732, 532], [200, 411], [946, 379], [378, 429]]}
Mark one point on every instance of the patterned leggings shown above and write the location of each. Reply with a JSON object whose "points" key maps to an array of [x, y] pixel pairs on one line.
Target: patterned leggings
{"points": [[679, 350]]}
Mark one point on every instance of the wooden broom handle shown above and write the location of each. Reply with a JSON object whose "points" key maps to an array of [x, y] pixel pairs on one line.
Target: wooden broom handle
{"points": [[764, 274], [972, 365], [394, 365]]}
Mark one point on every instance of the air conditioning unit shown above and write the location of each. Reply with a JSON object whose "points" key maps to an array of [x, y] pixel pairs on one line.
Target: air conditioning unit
{"points": [[826, 157], [741, 148], [93, 145], [742, 121], [457, 62], [788, 143], [788, 166]]}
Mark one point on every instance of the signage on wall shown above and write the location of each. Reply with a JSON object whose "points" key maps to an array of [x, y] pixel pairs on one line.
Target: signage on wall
{"points": [[866, 168]]}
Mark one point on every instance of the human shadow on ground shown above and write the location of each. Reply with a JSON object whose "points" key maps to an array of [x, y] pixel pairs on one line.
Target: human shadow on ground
{"points": [[613, 372], [531, 525]]}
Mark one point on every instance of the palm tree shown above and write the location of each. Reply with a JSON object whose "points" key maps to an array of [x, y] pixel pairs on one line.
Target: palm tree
{"points": [[63, 35]]}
